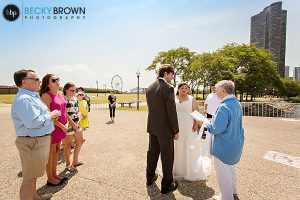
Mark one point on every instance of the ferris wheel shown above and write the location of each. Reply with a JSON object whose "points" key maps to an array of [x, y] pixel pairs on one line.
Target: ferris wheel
{"points": [[117, 83]]}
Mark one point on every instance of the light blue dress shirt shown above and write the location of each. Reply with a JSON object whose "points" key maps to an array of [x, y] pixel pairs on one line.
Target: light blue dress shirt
{"points": [[30, 115]]}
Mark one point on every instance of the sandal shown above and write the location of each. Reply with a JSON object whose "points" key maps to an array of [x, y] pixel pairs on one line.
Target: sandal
{"points": [[70, 168], [78, 164], [62, 178]]}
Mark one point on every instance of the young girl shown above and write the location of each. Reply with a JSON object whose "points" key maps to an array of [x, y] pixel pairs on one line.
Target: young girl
{"points": [[83, 108]]}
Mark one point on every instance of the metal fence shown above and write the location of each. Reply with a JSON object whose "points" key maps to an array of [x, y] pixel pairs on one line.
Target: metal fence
{"points": [[259, 109], [105, 105], [271, 109]]}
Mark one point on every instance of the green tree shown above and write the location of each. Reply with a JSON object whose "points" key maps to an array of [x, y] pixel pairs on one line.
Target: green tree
{"points": [[291, 88], [180, 58], [252, 68]]}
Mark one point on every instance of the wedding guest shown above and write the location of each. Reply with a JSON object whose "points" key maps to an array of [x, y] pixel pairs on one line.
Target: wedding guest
{"points": [[33, 123], [55, 100], [227, 139], [112, 101], [83, 109], [211, 104], [85, 97], [74, 129]]}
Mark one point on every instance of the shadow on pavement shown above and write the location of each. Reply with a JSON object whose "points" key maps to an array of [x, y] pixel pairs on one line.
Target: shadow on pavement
{"points": [[20, 174], [193, 189], [54, 189], [154, 193], [196, 189], [61, 159]]}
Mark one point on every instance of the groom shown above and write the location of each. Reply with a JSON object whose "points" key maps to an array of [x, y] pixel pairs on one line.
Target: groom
{"points": [[162, 128]]}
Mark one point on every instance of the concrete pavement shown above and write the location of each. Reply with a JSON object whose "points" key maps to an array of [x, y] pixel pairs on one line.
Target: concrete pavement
{"points": [[115, 162]]}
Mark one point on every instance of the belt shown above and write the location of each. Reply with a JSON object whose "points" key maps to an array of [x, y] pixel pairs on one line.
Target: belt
{"points": [[35, 136]]}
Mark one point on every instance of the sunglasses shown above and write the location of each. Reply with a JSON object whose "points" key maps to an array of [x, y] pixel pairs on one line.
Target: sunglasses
{"points": [[72, 90], [80, 94], [36, 79], [55, 80]]}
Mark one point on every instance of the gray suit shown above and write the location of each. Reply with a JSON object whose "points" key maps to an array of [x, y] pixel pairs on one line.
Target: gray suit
{"points": [[162, 126]]}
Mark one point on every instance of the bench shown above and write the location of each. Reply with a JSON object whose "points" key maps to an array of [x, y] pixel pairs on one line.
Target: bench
{"points": [[123, 104]]}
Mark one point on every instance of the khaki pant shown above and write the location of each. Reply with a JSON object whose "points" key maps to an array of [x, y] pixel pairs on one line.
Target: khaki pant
{"points": [[34, 152]]}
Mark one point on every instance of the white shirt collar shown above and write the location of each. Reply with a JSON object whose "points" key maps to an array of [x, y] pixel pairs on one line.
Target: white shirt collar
{"points": [[228, 97], [162, 79]]}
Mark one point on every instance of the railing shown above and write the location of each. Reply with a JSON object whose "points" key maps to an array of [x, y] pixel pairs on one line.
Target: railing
{"points": [[271, 109], [105, 105], [259, 109]]}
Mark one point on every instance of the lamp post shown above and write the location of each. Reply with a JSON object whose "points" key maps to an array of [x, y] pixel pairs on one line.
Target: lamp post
{"points": [[97, 87], [105, 89], [138, 90]]}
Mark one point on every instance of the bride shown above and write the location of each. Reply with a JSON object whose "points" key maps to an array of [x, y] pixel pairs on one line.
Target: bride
{"points": [[189, 164]]}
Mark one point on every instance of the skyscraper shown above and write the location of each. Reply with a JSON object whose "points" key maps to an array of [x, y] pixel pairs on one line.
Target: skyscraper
{"points": [[268, 30], [287, 72], [297, 73]]}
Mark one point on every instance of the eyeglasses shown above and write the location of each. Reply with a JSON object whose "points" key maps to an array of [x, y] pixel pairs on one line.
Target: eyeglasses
{"points": [[72, 90], [32, 78], [55, 80]]}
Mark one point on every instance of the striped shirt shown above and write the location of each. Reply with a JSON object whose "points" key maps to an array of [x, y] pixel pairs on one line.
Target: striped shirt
{"points": [[73, 109]]}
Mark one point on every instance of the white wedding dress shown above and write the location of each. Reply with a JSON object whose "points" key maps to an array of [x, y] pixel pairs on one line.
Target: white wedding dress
{"points": [[189, 163]]}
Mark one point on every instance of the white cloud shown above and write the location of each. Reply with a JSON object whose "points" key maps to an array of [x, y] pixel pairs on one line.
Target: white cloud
{"points": [[69, 68]]}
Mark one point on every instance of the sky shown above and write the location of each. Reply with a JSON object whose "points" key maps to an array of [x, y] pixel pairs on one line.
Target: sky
{"points": [[122, 37]]}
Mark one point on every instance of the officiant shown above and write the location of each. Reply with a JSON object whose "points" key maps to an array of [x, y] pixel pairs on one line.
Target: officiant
{"points": [[227, 139]]}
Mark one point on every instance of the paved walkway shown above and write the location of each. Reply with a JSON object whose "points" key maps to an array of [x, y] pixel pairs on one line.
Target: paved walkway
{"points": [[115, 162]]}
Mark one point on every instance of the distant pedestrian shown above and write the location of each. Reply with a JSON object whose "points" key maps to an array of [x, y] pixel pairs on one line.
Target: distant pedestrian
{"points": [[112, 101]]}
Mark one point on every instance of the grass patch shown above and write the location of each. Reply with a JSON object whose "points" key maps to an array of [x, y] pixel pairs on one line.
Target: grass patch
{"points": [[120, 98], [7, 98], [295, 99]]}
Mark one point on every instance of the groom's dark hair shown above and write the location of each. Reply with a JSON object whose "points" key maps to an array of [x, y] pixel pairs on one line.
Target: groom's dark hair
{"points": [[165, 68]]}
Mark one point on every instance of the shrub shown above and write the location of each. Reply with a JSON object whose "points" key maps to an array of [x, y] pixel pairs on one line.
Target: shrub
{"points": [[295, 99]]}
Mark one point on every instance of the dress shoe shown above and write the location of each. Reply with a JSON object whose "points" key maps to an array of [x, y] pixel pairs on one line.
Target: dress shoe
{"points": [[170, 188], [150, 182], [52, 184], [64, 178], [45, 196], [235, 197]]}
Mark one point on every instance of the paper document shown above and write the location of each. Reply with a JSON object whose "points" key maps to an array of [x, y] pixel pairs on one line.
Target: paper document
{"points": [[198, 116]]}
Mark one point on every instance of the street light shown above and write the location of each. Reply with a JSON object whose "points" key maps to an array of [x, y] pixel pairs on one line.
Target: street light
{"points": [[97, 87], [138, 90], [105, 89]]}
